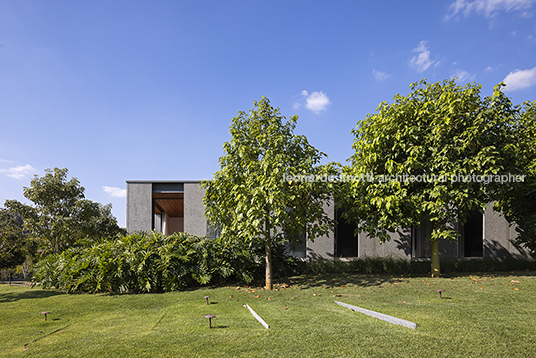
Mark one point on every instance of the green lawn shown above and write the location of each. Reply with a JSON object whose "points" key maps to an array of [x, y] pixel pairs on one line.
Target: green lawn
{"points": [[487, 316]]}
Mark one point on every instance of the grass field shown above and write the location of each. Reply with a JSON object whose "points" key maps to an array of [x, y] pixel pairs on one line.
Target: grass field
{"points": [[479, 316]]}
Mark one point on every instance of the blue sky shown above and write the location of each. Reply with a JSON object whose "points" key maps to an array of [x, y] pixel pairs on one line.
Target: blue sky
{"points": [[127, 90]]}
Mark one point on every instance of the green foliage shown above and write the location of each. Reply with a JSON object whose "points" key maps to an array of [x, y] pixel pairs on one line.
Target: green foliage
{"points": [[440, 130], [148, 262], [249, 199], [14, 243], [389, 265], [518, 201], [60, 215]]}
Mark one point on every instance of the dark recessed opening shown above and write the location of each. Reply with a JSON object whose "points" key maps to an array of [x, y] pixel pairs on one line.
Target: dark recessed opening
{"points": [[473, 235], [346, 239]]}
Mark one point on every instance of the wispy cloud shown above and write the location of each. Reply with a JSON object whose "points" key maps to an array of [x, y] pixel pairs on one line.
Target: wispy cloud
{"points": [[421, 61], [463, 76], [380, 76], [520, 79], [316, 101], [489, 69], [19, 172], [115, 192], [488, 8], [5, 161]]}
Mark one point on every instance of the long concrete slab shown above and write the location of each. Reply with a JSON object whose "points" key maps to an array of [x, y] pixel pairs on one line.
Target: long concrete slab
{"points": [[378, 315]]}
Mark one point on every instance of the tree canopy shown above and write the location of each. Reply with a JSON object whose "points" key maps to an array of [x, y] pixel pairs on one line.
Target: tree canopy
{"points": [[254, 197], [518, 202], [425, 156], [61, 215], [14, 243]]}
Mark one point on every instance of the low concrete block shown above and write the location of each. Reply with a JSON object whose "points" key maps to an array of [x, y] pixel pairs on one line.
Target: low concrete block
{"points": [[257, 317], [378, 315]]}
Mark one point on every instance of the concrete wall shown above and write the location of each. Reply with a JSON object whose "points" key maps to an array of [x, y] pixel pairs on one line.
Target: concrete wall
{"points": [[139, 207], [323, 247], [195, 222], [398, 246], [499, 237], [498, 241]]}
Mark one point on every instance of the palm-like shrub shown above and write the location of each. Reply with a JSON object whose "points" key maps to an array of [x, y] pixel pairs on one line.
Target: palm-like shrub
{"points": [[148, 262]]}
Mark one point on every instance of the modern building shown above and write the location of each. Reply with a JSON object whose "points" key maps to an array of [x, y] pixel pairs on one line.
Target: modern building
{"points": [[177, 206]]}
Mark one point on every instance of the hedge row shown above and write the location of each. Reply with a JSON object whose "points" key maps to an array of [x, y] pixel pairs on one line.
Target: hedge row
{"points": [[149, 262]]}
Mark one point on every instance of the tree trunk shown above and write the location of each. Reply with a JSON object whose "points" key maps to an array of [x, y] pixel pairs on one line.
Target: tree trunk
{"points": [[268, 247], [436, 271], [269, 284]]}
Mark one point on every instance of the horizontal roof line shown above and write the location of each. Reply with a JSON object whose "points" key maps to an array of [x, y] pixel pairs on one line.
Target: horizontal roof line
{"points": [[164, 181]]}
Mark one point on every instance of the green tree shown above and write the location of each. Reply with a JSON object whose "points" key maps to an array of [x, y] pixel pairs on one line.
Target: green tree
{"points": [[61, 215], [518, 200], [250, 199], [439, 129], [13, 240]]}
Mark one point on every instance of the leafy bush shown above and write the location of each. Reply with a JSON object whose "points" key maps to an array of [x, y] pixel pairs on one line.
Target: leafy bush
{"points": [[390, 265], [149, 262]]}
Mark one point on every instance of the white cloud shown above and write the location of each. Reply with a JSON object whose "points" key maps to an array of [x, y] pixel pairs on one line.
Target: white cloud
{"points": [[463, 76], [489, 69], [5, 161], [421, 61], [316, 101], [296, 105], [488, 8], [380, 76], [520, 79], [115, 192], [19, 172]]}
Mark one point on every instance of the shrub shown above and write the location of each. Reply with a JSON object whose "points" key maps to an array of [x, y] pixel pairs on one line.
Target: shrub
{"points": [[149, 262]]}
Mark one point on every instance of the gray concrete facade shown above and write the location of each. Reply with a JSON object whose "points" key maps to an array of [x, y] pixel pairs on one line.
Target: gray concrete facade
{"points": [[195, 222], [497, 236], [323, 247], [139, 206]]}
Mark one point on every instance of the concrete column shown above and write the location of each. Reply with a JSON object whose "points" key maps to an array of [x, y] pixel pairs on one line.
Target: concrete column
{"points": [[195, 222], [139, 207]]}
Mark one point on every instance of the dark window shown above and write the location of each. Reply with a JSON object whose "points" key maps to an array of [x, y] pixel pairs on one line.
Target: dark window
{"points": [[472, 235], [346, 239], [168, 187], [421, 238]]}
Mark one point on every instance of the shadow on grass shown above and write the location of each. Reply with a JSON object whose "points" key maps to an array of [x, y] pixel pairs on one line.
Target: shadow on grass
{"points": [[15, 296], [338, 280]]}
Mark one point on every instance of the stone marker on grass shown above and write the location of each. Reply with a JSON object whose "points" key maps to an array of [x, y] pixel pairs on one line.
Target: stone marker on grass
{"points": [[210, 317], [45, 313], [381, 316]]}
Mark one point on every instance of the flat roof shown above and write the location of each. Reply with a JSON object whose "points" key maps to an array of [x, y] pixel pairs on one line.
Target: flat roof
{"points": [[164, 181]]}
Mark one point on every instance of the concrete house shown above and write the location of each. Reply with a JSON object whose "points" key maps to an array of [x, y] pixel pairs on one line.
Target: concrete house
{"points": [[177, 206]]}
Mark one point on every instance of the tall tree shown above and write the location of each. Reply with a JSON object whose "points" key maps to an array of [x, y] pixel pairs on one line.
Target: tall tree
{"points": [[13, 240], [518, 200], [255, 195], [435, 135], [61, 215]]}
